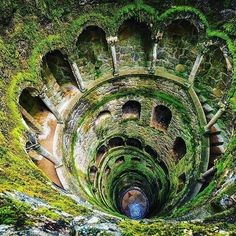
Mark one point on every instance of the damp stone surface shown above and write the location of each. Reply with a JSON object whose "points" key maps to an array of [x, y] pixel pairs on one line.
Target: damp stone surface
{"points": [[117, 117]]}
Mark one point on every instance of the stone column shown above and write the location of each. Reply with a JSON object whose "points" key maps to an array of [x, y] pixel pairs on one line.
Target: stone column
{"points": [[195, 68], [38, 148], [203, 48], [33, 123], [208, 172], [156, 39], [45, 153], [51, 107], [218, 114], [34, 155], [112, 42], [77, 75]]}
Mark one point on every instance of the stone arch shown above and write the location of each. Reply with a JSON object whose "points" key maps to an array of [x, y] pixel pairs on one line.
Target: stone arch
{"points": [[181, 28], [144, 13], [32, 108], [93, 56], [51, 43], [179, 43], [134, 143], [55, 63], [100, 153], [179, 149], [152, 152], [120, 160], [164, 167], [115, 142], [214, 71], [78, 26], [102, 116], [182, 182], [131, 109], [193, 15], [161, 117], [134, 44], [92, 173]]}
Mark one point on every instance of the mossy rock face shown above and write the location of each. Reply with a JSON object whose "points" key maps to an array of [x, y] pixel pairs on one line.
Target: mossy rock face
{"points": [[73, 66]]}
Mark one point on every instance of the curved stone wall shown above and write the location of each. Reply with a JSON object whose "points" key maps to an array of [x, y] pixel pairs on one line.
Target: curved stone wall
{"points": [[126, 108]]}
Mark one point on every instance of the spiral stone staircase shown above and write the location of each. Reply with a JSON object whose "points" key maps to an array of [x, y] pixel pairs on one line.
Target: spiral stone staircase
{"points": [[118, 111]]}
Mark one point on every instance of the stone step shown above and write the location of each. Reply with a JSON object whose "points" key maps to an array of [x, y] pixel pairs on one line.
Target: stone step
{"points": [[216, 140], [198, 91], [215, 129], [209, 116], [217, 150], [202, 99], [207, 108]]}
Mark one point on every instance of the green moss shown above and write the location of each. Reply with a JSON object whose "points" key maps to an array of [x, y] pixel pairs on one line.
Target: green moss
{"points": [[156, 228], [201, 198], [230, 44], [184, 9], [24, 176], [17, 171], [222, 216], [229, 27], [87, 19], [14, 212], [141, 11]]}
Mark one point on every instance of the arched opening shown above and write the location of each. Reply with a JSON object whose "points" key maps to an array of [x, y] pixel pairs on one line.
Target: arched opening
{"points": [[216, 65], [148, 149], [120, 160], [93, 55], [102, 116], [115, 142], [134, 143], [33, 110], [134, 44], [131, 110], [179, 149], [107, 171], [92, 173], [135, 159], [182, 181], [57, 73], [161, 117], [164, 167], [182, 29], [100, 153], [178, 50]]}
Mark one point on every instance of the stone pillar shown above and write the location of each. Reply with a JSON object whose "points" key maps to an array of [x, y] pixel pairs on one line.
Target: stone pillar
{"points": [[208, 172], [51, 107], [34, 155], [33, 123], [203, 48], [45, 153], [77, 75], [112, 42], [218, 114], [35, 148], [195, 68], [42, 151], [157, 39]]}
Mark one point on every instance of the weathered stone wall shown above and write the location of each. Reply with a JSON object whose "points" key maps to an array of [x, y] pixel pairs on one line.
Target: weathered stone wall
{"points": [[32, 30]]}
